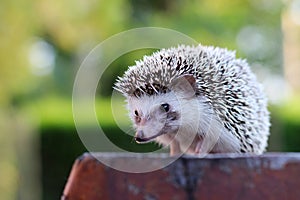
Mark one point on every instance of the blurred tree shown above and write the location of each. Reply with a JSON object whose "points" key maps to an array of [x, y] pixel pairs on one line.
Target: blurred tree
{"points": [[74, 25], [251, 27], [16, 26], [73, 28], [291, 28]]}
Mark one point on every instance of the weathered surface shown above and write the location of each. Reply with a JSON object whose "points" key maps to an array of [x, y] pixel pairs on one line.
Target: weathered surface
{"points": [[219, 176]]}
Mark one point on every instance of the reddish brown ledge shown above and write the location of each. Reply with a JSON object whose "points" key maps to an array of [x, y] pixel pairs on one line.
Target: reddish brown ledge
{"points": [[218, 176]]}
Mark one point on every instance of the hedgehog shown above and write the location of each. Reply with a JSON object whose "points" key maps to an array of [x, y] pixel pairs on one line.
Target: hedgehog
{"points": [[196, 99]]}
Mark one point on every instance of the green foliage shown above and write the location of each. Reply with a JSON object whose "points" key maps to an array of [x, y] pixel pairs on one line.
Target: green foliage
{"points": [[290, 110], [287, 122], [60, 146], [56, 112], [16, 28]]}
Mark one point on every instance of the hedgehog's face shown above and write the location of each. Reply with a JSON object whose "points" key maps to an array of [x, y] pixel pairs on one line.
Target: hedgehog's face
{"points": [[154, 116], [159, 114]]}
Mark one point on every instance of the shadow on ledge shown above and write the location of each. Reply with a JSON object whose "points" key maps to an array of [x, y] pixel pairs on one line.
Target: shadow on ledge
{"points": [[215, 176]]}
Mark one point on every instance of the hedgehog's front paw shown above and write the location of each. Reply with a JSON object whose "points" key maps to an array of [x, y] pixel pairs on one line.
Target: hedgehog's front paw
{"points": [[174, 148], [198, 147]]}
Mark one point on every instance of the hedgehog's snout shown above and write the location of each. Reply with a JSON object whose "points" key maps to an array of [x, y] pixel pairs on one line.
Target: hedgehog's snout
{"points": [[139, 136]]}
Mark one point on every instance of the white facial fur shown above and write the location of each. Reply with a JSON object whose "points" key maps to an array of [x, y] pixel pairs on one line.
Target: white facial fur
{"points": [[152, 118]]}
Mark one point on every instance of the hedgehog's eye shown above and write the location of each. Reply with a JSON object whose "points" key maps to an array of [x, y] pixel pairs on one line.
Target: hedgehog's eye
{"points": [[136, 113], [165, 107]]}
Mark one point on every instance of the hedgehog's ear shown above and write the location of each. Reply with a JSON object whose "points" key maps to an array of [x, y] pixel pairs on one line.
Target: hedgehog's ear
{"points": [[184, 85]]}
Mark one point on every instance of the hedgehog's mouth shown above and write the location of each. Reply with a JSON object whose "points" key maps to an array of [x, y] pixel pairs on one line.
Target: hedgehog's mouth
{"points": [[141, 140], [147, 139]]}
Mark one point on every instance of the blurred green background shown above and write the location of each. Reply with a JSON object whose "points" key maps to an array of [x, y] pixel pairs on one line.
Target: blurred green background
{"points": [[43, 43]]}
